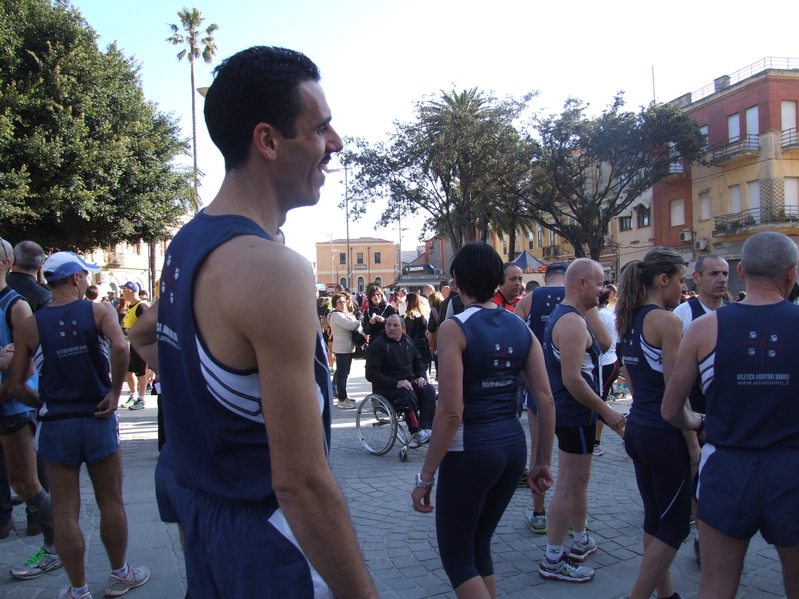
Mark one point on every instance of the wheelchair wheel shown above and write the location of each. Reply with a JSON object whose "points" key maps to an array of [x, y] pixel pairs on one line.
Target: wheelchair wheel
{"points": [[376, 423], [403, 454]]}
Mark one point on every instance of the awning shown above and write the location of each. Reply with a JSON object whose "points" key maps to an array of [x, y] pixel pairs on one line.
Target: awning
{"points": [[529, 263]]}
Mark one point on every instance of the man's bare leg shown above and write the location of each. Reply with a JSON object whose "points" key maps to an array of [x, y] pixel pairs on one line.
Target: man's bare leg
{"points": [[69, 541], [21, 462], [722, 563], [106, 478], [131, 382], [789, 558], [142, 384], [538, 500], [570, 494]]}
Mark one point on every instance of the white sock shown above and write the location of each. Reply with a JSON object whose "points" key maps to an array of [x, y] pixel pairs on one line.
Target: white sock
{"points": [[140, 398], [75, 592], [553, 553], [122, 572], [580, 537]]}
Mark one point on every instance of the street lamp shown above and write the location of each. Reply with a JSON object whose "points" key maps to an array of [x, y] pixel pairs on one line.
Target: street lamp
{"points": [[345, 169]]}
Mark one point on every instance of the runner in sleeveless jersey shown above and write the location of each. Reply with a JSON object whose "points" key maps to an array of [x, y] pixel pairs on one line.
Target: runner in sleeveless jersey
{"points": [[746, 355], [75, 343], [661, 453], [477, 439], [572, 357], [247, 399]]}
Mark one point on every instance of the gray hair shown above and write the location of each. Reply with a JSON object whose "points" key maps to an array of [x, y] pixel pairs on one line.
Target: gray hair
{"points": [[700, 264], [28, 255], [768, 255]]}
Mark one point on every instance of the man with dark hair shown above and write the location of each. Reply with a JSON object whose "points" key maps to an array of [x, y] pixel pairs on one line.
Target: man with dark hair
{"points": [[77, 400], [396, 371], [746, 354], [247, 401], [28, 259], [92, 293], [510, 291]]}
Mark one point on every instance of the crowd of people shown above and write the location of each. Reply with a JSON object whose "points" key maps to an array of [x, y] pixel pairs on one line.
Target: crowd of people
{"points": [[246, 403]]}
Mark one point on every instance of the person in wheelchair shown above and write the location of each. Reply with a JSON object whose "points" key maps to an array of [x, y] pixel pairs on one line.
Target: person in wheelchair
{"points": [[396, 371]]}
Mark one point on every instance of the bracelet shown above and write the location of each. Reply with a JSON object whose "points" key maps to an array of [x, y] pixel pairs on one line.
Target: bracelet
{"points": [[422, 484], [433, 474]]}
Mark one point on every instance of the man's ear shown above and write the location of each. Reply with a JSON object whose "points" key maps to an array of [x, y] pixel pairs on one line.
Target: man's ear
{"points": [[266, 140]]}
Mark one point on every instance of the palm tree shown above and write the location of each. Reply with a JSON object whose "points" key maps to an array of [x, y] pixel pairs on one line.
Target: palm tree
{"points": [[194, 47]]}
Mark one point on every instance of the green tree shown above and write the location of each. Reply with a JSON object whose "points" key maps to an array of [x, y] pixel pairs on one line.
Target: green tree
{"points": [[197, 43], [85, 161], [589, 170], [448, 163]]}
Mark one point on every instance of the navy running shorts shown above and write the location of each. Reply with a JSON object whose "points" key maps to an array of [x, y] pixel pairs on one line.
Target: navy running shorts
{"points": [[16, 422], [167, 491], [578, 440], [742, 491], [74, 441]]}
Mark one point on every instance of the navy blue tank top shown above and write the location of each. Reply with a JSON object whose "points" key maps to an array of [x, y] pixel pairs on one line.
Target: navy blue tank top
{"points": [[751, 378], [212, 413], [72, 358], [644, 363], [8, 297], [497, 344], [569, 411], [544, 301]]}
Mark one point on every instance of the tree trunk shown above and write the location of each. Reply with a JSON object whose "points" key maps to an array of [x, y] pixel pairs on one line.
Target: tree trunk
{"points": [[152, 271], [196, 203]]}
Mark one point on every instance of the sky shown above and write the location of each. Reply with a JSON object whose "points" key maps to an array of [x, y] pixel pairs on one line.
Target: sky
{"points": [[379, 57]]}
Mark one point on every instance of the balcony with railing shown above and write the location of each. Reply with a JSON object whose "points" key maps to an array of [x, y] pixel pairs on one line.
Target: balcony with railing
{"points": [[550, 251], [790, 139], [746, 145], [721, 83], [115, 259], [676, 171], [754, 218]]}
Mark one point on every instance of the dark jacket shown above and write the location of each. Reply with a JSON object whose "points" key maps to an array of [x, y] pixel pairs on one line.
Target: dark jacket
{"points": [[373, 330], [24, 284], [389, 361], [417, 331]]}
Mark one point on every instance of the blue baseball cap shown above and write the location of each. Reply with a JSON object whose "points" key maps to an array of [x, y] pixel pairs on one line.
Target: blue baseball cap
{"points": [[65, 264], [134, 287]]}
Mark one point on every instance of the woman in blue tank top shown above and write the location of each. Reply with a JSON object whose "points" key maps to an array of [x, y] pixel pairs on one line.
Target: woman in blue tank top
{"points": [[662, 454], [477, 439]]}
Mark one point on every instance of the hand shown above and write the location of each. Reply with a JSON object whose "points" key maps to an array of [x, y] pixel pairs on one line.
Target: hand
{"points": [[403, 384], [615, 420], [539, 479], [421, 500], [6, 354], [695, 452], [421, 381], [108, 406], [373, 320]]}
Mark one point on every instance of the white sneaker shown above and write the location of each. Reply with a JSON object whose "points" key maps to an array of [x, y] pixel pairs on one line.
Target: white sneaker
{"points": [[424, 435], [135, 577]]}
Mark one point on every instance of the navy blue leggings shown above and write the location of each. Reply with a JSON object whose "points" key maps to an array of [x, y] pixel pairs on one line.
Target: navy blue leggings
{"points": [[663, 473], [474, 488]]}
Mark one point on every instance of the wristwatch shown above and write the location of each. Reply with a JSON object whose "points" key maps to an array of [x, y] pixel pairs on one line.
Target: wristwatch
{"points": [[698, 430], [422, 484]]}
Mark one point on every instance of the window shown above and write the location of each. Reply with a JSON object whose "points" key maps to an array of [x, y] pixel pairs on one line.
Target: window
{"points": [[379, 281], [359, 258], [703, 130], [361, 284], [792, 196], [788, 110], [540, 236], [752, 121], [704, 205], [342, 258], [677, 212], [505, 244], [530, 240], [553, 238], [753, 197], [516, 246], [733, 127], [378, 258], [625, 223], [343, 282], [644, 216], [735, 199]]}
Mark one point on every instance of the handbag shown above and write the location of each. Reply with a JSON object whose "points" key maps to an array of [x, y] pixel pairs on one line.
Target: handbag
{"points": [[358, 339]]}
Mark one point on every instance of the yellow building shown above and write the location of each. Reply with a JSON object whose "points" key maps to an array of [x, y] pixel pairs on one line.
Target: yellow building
{"points": [[370, 260]]}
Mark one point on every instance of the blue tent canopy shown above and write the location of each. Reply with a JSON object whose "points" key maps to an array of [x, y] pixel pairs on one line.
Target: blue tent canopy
{"points": [[529, 263]]}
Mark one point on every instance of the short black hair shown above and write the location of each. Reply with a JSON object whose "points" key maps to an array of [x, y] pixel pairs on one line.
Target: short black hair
{"points": [[478, 269], [257, 85]]}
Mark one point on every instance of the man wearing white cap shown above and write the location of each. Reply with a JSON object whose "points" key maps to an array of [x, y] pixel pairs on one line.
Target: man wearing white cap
{"points": [[137, 366], [71, 340]]}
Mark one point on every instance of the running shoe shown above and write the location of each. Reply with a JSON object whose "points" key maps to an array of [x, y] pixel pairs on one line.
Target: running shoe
{"points": [[537, 521], [523, 479], [130, 400], [66, 593], [346, 404], [135, 577], [424, 435], [137, 405], [598, 450], [39, 563], [580, 551], [564, 569]]}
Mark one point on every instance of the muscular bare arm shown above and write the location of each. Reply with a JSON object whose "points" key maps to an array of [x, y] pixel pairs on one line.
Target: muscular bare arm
{"points": [[283, 350], [599, 329], [26, 339], [21, 312], [572, 338], [143, 338]]}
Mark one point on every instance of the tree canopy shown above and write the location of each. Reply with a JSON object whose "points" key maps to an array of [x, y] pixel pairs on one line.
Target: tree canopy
{"points": [[85, 161]]}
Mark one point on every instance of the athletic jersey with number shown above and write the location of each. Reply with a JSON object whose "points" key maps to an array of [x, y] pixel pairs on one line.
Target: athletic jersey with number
{"points": [[751, 378], [644, 364], [497, 344], [568, 411], [212, 413], [72, 358], [8, 297], [544, 301]]}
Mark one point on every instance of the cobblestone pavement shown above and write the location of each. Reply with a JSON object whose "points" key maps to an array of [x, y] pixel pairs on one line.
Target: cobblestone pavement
{"points": [[399, 544]]}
